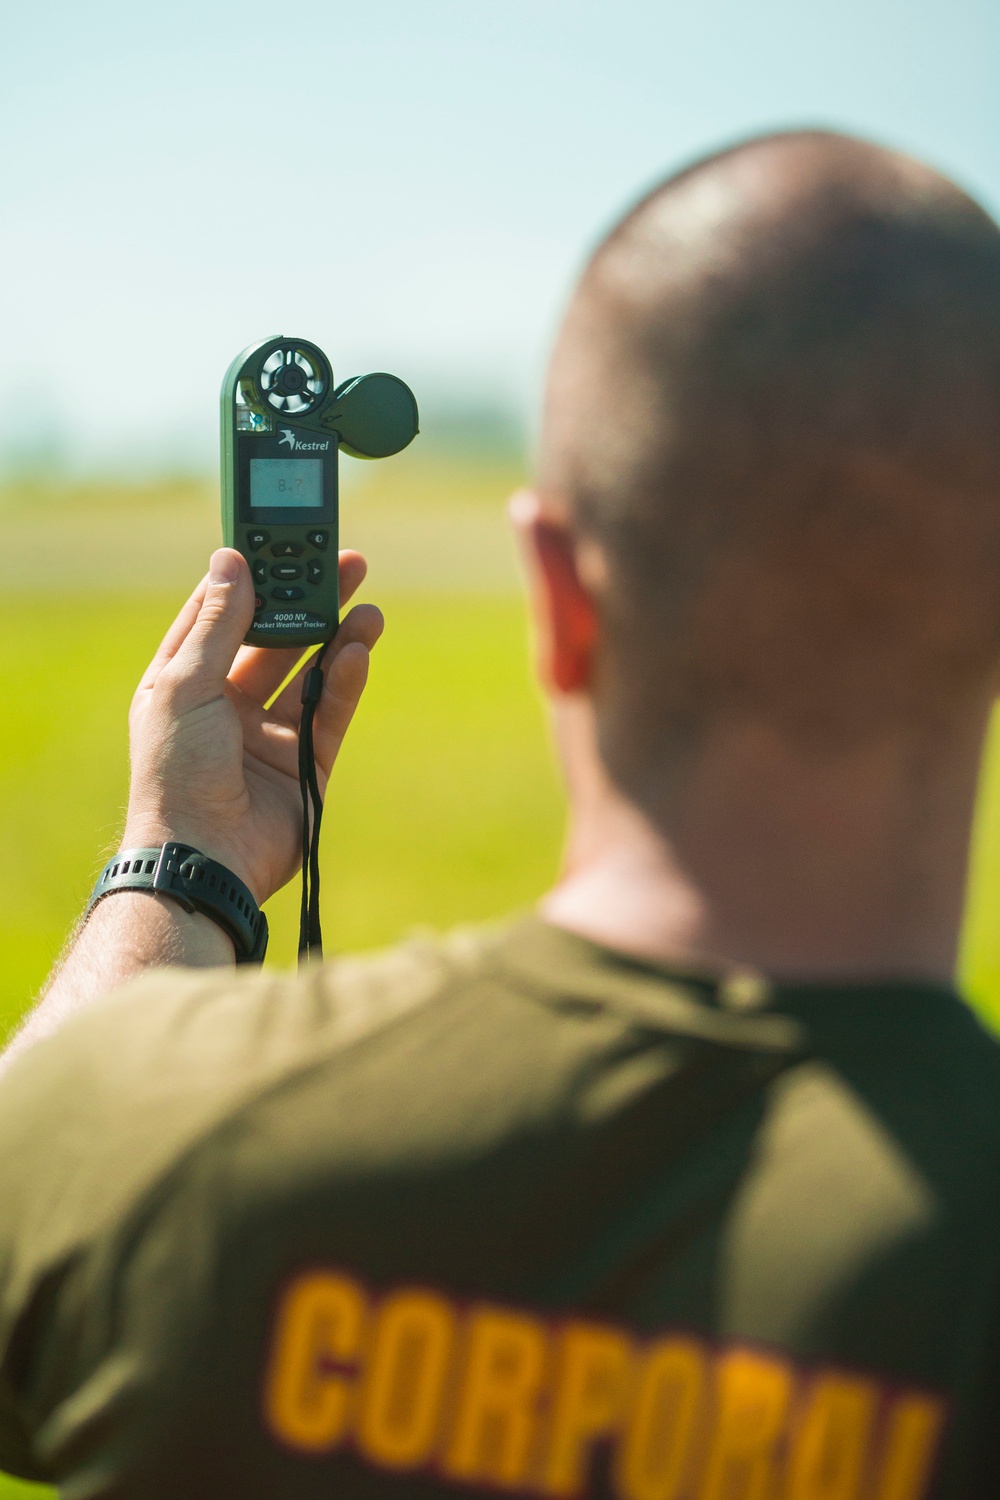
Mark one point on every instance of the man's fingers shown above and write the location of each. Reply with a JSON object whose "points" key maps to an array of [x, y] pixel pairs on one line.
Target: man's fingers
{"points": [[201, 663], [259, 670], [353, 571], [344, 683], [363, 624], [345, 675], [175, 636]]}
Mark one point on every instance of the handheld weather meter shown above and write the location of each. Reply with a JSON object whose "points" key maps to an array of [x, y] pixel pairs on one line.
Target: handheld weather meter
{"points": [[284, 422]]}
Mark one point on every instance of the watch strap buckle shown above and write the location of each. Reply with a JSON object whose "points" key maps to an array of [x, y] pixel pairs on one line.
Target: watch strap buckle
{"points": [[196, 883]]}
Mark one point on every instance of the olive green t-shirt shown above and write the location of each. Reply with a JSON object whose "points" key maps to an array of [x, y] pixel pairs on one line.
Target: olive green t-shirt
{"points": [[505, 1213]]}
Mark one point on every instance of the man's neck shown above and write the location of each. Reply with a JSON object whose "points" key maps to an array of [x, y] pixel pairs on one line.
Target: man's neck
{"points": [[832, 868]]}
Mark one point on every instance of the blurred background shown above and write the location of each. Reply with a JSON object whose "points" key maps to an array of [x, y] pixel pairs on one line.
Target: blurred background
{"points": [[414, 188]]}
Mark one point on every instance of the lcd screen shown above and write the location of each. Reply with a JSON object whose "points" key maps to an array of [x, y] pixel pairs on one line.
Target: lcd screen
{"points": [[286, 483]]}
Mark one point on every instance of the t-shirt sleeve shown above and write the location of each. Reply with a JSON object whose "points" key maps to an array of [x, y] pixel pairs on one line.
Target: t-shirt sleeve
{"points": [[122, 1351], [94, 1124], [143, 1366], [101, 1349], [15, 1444], [78, 1154]]}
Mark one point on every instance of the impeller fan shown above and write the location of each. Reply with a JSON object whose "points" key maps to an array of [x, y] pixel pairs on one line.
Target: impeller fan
{"points": [[292, 381]]}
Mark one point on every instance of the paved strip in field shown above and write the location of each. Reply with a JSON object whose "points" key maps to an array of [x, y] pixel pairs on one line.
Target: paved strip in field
{"points": [[425, 539]]}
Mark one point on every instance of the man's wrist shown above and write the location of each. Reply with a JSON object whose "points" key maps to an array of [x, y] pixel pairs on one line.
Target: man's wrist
{"points": [[124, 936], [152, 833], [149, 930], [197, 881]]}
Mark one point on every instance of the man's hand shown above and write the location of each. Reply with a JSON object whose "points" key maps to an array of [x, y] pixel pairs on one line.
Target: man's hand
{"points": [[211, 767]]}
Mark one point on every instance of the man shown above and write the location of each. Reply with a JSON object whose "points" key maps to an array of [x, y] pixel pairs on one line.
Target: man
{"points": [[685, 1186]]}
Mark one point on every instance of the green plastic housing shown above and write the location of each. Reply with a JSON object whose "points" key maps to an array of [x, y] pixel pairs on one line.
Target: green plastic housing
{"points": [[273, 451]]}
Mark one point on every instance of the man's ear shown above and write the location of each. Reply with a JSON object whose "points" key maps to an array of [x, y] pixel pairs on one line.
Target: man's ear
{"points": [[564, 612]]}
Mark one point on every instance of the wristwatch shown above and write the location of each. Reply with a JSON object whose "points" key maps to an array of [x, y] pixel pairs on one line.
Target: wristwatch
{"points": [[198, 883]]}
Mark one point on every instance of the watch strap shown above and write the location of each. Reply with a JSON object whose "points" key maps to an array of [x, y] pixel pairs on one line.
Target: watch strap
{"points": [[200, 884]]}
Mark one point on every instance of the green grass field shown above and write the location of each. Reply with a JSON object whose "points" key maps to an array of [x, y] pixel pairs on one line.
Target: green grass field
{"points": [[445, 806]]}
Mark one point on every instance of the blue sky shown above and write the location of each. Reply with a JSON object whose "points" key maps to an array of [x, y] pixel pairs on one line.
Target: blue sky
{"points": [[412, 185]]}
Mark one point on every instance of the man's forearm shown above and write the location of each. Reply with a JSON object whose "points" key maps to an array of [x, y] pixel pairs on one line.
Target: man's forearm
{"points": [[126, 934]]}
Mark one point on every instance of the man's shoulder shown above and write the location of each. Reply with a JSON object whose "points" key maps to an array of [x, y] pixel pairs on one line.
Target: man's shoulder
{"points": [[448, 1045], [190, 1027], [92, 1116]]}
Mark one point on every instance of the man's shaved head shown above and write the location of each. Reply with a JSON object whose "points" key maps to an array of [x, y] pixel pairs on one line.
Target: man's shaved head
{"points": [[775, 407]]}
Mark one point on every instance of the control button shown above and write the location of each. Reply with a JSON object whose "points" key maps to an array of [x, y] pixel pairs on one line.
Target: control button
{"points": [[286, 570], [314, 570], [286, 593], [317, 539], [287, 549], [258, 603], [260, 572], [257, 539]]}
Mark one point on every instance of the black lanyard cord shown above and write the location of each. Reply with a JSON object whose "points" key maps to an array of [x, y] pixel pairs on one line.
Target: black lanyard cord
{"points": [[310, 930]]}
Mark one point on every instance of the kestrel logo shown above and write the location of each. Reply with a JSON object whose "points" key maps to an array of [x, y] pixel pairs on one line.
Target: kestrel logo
{"points": [[298, 446]]}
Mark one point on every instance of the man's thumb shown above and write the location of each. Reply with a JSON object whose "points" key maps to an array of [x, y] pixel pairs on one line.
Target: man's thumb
{"points": [[226, 612]]}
